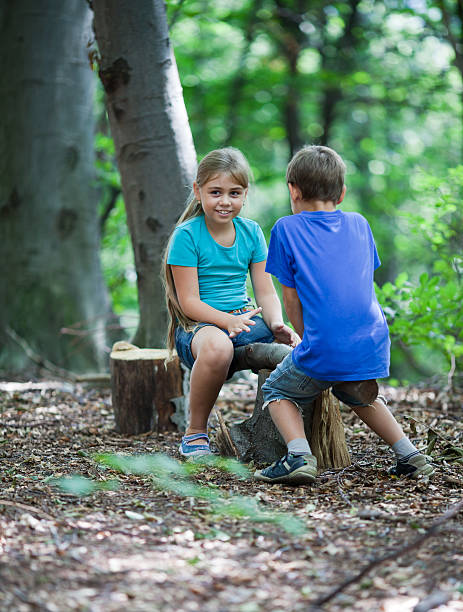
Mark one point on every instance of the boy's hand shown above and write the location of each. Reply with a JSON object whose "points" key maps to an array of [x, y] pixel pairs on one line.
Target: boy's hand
{"points": [[284, 334], [240, 323]]}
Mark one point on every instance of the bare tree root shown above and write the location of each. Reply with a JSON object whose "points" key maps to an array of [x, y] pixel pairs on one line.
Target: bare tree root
{"points": [[223, 440], [328, 440]]}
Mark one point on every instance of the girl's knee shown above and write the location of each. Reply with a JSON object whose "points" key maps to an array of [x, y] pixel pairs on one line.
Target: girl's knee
{"points": [[217, 351]]}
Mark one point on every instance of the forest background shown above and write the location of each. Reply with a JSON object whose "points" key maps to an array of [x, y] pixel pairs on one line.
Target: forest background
{"points": [[381, 83], [92, 107]]}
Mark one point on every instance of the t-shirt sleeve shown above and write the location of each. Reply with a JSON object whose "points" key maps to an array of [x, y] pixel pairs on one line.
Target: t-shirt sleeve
{"points": [[260, 246], [279, 260], [182, 250], [376, 259]]}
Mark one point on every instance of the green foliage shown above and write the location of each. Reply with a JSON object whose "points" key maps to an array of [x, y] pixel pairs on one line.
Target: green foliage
{"points": [[375, 80], [428, 311], [81, 486], [167, 474]]}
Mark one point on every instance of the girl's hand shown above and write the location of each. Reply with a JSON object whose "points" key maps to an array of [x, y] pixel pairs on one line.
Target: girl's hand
{"points": [[239, 323], [284, 334]]}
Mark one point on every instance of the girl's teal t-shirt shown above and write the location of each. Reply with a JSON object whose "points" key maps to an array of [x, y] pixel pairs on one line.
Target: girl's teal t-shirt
{"points": [[222, 271]]}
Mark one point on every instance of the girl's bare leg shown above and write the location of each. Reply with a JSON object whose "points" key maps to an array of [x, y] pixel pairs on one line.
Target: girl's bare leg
{"points": [[381, 421], [213, 352], [288, 420]]}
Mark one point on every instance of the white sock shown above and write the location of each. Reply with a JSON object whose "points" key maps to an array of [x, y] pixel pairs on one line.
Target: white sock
{"points": [[298, 447], [404, 449]]}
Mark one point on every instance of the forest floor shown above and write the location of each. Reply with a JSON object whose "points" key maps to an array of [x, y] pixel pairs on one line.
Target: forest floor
{"points": [[152, 544]]}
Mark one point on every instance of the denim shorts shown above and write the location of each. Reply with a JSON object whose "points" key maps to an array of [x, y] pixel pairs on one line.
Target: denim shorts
{"points": [[289, 382], [258, 333]]}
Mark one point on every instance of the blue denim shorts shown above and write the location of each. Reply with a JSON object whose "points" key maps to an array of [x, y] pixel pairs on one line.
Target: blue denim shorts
{"points": [[290, 383], [258, 333]]}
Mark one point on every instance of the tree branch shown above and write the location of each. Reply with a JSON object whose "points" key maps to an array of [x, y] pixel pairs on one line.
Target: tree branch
{"points": [[38, 359], [395, 554]]}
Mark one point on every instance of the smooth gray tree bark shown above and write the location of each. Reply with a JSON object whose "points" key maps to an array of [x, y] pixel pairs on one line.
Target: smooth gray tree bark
{"points": [[154, 146], [49, 243]]}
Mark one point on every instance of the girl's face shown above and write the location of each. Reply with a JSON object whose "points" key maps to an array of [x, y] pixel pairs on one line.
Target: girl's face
{"points": [[222, 198]]}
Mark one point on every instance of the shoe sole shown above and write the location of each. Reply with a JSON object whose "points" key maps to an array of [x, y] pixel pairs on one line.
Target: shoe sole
{"points": [[299, 476], [197, 453]]}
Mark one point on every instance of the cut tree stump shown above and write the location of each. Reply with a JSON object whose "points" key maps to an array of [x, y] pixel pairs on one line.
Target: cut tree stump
{"points": [[257, 439], [145, 392]]}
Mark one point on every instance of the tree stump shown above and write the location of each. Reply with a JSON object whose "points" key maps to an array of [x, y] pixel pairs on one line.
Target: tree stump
{"points": [[257, 439], [145, 392]]}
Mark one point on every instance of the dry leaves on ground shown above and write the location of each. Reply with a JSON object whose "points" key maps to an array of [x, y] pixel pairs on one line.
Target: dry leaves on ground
{"points": [[144, 548]]}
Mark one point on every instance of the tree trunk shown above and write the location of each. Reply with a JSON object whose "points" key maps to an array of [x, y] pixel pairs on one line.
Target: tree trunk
{"points": [[154, 146], [49, 236]]}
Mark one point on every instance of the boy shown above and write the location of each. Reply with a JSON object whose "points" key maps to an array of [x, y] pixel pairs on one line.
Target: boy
{"points": [[325, 260]]}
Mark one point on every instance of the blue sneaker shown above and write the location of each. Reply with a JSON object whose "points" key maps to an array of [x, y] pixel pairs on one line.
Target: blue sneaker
{"points": [[414, 466], [290, 469], [194, 450]]}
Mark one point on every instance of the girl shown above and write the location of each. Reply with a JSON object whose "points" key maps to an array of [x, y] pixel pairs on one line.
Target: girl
{"points": [[205, 270]]}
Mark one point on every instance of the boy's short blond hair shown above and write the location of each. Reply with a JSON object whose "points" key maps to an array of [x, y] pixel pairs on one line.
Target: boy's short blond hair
{"points": [[318, 172]]}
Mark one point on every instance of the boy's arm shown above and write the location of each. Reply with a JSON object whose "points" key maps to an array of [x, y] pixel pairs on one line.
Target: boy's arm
{"points": [[267, 298], [293, 309]]}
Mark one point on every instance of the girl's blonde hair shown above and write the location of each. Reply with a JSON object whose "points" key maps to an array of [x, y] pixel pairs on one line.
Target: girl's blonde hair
{"points": [[229, 161]]}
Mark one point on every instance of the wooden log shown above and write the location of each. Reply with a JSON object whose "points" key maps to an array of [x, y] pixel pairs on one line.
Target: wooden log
{"points": [[259, 356], [144, 389], [257, 439]]}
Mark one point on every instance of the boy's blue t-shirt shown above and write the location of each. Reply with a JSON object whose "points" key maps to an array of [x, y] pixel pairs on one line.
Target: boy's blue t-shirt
{"points": [[222, 271], [330, 258]]}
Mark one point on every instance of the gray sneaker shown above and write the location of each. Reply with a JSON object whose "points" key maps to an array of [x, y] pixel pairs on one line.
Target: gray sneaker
{"points": [[413, 467], [290, 470]]}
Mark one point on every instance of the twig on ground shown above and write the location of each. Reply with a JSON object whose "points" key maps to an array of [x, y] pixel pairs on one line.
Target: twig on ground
{"points": [[98, 377], [5, 502], [18, 387], [373, 514], [451, 373], [225, 441], [451, 513], [428, 427], [343, 495], [28, 424]]}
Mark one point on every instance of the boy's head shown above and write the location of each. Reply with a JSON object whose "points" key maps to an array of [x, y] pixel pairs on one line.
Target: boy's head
{"points": [[318, 172]]}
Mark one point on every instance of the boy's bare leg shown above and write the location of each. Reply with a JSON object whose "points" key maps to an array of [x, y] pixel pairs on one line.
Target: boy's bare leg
{"points": [[381, 421], [213, 352], [410, 461], [298, 466], [288, 420]]}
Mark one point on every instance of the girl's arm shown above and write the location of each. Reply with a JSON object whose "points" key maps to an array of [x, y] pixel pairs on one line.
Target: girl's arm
{"points": [[267, 298], [293, 309], [187, 287]]}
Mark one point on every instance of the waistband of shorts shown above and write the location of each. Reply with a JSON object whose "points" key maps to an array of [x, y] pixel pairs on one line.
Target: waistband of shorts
{"points": [[241, 310]]}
